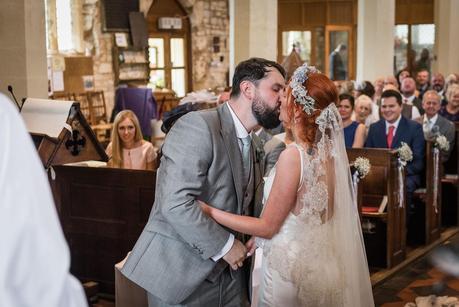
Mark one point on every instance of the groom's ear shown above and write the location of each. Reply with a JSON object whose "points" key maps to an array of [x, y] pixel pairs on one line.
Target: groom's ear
{"points": [[247, 89]]}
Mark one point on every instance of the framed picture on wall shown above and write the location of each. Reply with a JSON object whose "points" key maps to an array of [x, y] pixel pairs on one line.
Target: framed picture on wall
{"points": [[121, 39]]}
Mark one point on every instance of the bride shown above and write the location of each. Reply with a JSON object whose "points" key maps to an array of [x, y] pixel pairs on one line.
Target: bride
{"points": [[313, 252]]}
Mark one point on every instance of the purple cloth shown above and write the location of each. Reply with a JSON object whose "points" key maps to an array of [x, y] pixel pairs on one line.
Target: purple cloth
{"points": [[141, 102]]}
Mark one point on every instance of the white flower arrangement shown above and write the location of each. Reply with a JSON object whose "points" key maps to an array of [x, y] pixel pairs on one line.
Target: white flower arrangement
{"points": [[442, 143], [405, 154], [362, 166]]}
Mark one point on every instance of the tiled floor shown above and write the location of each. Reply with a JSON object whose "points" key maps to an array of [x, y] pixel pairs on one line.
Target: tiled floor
{"points": [[418, 279]]}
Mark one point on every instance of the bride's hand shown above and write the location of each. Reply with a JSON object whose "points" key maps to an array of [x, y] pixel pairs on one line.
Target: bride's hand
{"points": [[205, 207], [251, 246]]}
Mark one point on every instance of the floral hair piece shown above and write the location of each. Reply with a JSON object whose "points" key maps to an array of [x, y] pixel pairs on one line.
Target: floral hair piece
{"points": [[299, 91]]}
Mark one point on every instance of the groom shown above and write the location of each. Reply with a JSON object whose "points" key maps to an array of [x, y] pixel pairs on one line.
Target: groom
{"points": [[184, 258]]}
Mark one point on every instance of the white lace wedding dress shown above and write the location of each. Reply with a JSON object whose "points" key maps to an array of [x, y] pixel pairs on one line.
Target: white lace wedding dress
{"points": [[316, 261]]}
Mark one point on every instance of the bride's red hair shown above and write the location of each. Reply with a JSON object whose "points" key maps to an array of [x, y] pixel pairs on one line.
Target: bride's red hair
{"points": [[324, 92]]}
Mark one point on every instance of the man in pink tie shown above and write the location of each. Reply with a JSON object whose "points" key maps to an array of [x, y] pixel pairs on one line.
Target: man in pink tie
{"points": [[391, 131]]}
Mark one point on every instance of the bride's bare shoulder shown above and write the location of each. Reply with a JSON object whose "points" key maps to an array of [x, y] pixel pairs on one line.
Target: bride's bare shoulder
{"points": [[290, 156]]}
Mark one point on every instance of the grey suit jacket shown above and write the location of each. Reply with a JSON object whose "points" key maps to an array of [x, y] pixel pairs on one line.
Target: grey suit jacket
{"points": [[201, 161], [272, 147], [446, 128]]}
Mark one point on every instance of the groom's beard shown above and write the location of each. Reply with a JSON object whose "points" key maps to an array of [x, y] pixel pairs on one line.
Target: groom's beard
{"points": [[266, 117]]}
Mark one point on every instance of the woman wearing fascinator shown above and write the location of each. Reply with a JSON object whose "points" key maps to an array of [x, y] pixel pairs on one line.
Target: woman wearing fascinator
{"points": [[313, 251]]}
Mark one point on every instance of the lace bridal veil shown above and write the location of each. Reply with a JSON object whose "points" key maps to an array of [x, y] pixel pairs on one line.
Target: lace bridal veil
{"points": [[345, 230], [321, 250]]}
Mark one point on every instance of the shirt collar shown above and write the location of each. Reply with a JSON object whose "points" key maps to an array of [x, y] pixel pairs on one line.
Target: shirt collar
{"points": [[395, 124], [409, 100], [241, 132], [433, 120]]}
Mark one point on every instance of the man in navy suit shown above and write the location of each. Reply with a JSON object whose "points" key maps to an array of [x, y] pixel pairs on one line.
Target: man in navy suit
{"points": [[393, 129]]}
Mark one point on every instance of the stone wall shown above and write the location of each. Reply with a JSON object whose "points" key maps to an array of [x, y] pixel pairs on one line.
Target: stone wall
{"points": [[210, 42], [209, 39], [99, 45]]}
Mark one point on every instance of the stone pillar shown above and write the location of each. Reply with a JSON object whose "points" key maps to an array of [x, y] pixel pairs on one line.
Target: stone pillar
{"points": [[253, 30], [446, 16], [375, 39], [23, 48]]}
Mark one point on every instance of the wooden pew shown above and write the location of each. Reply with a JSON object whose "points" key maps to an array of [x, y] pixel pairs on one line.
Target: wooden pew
{"points": [[385, 242], [102, 212], [428, 217], [450, 186]]}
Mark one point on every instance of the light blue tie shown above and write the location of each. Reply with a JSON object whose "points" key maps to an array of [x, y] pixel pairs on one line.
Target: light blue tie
{"points": [[246, 157]]}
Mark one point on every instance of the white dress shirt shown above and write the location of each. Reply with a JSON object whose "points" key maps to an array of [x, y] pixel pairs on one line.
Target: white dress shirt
{"points": [[395, 124], [415, 111], [241, 133], [427, 124]]}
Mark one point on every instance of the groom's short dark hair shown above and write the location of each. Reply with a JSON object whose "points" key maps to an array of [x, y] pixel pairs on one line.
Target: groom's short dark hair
{"points": [[253, 69]]}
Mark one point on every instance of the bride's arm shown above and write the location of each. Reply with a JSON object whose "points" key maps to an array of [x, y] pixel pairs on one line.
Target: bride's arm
{"points": [[281, 200]]}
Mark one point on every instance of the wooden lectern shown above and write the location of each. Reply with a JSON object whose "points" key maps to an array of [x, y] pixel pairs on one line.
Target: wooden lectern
{"points": [[75, 142]]}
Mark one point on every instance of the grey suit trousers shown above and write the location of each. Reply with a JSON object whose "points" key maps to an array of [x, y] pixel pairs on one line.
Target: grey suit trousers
{"points": [[229, 290]]}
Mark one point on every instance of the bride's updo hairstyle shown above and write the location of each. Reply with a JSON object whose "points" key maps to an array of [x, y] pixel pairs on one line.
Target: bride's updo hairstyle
{"points": [[323, 93]]}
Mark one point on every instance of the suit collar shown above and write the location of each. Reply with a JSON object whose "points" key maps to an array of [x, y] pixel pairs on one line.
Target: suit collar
{"points": [[230, 140], [402, 127], [241, 132]]}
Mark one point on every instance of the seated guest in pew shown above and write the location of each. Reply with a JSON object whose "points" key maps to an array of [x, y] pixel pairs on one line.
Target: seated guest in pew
{"points": [[127, 148], [451, 110], [393, 129], [434, 124], [363, 111], [34, 256], [412, 105], [354, 132]]}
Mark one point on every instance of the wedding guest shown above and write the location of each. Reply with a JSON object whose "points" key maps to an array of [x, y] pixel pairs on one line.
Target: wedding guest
{"points": [[363, 111], [391, 80], [412, 105], [434, 124], [366, 88], [378, 85], [450, 80], [354, 132], [422, 81], [127, 148], [437, 83], [451, 110], [402, 74], [393, 129]]}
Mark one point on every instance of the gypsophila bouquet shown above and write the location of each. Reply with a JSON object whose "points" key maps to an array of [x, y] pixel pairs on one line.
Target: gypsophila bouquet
{"points": [[442, 143], [362, 166], [405, 154]]}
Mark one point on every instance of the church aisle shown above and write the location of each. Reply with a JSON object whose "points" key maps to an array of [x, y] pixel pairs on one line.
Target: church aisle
{"points": [[419, 279]]}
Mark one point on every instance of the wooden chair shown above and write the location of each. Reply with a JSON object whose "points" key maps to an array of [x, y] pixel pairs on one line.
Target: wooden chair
{"points": [[98, 111], [85, 108], [384, 232], [92, 105]]}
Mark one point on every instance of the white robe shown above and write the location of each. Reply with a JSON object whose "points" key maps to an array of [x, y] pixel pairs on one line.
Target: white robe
{"points": [[34, 256]]}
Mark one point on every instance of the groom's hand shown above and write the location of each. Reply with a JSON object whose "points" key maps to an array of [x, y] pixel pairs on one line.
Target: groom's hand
{"points": [[236, 255]]}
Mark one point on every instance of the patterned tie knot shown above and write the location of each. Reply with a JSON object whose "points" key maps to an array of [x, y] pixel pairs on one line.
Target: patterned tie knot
{"points": [[246, 141]]}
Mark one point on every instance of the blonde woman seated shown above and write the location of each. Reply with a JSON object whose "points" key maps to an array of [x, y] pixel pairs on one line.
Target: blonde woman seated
{"points": [[127, 148], [363, 111]]}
